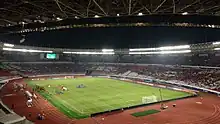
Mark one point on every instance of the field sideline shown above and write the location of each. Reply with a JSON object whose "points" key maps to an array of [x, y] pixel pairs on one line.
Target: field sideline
{"points": [[99, 94]]}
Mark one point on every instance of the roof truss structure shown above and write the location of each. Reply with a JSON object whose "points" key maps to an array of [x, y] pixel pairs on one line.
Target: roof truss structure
{"points": [[14, 12]]}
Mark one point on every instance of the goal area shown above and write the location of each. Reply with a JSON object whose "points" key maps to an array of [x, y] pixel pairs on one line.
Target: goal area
{"points": [[149, 99]]}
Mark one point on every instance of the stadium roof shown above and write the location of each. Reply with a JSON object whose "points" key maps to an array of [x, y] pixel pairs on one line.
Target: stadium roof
{"points": [[13, 11], [20, 12]]}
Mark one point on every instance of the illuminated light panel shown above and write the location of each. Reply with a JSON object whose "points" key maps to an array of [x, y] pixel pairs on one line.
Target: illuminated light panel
{"points": [[216, 43], [162, 48], [143, 49], [26, 50], [107, 50], [59, 19], [171, 52], [137, 53], [161, 52], [217, 49], [140, 14], [96, 16], [91, 53], [185, 13], [8, 45], [174, 47]]}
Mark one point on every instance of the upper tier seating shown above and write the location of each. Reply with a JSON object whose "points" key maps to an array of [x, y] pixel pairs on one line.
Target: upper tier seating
{"points": [[207, 78], [50, 68]]}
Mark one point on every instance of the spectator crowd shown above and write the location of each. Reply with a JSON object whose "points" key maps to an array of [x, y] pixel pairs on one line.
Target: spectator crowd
{"points": [[197, 76]]}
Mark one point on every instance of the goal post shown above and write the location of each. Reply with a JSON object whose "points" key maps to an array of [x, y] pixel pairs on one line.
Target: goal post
{"points": [[149, 99]]}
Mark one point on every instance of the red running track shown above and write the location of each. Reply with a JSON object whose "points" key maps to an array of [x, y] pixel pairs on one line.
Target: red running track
{"points": [[188, 111]]}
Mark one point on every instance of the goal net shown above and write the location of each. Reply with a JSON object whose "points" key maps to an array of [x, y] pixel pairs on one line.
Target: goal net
{"points": [[149, 99]]}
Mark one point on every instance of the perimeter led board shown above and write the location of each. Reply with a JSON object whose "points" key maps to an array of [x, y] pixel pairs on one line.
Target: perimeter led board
{"points": [[51, 56]]}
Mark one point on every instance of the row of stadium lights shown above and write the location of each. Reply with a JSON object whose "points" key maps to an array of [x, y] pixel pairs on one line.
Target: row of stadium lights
{"points": [[159, 50], [140, 14], [60, 19], [96, 16], [42, 29], [76, 17]]}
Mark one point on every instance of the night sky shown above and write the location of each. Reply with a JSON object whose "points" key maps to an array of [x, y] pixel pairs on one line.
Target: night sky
{"points": [[117, 37]]}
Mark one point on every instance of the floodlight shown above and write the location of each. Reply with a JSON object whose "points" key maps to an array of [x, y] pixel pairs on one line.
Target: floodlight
{"points": [[170, 52], [91, 53], [59, 19], [26, 50], [140, 14], [216, 43], [217, 49], [139, 53], [174, 47], [8, 45], [185, 13], [67, 52], [161, 52], [96, 16], [142, 49], [118, 14], [107, 50], [96, 53], [162, 48]]}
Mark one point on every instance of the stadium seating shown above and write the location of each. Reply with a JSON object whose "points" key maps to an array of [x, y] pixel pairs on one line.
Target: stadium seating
{"points": [[207, 78], [50, 68], [125, 65], [5, 73]]}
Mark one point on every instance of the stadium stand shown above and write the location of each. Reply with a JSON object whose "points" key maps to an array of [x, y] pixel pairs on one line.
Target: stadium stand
{"points": [[9, 117], [5, 73], [202, 77], [207, 78], [198, 68], [49, 68], [204, 73]]}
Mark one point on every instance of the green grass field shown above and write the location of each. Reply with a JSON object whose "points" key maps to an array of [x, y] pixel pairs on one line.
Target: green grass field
{"points": [[100, 94], [144, 113]]}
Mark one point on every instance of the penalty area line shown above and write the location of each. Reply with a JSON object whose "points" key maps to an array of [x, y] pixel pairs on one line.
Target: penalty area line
{"points": [[71, 106], [87, 112]]}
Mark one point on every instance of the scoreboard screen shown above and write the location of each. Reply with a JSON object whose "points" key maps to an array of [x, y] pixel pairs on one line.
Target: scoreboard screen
{"points": [[51, 56]]}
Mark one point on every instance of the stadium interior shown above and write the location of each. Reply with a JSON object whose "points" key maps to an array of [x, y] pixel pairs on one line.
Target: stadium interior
{"points": [[194, 65], [49, 79], [189, 65]]}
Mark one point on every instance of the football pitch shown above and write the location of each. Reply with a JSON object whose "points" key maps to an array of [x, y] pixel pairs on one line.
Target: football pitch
{"points": [[98, 94]]}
